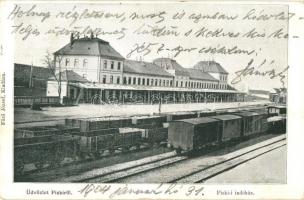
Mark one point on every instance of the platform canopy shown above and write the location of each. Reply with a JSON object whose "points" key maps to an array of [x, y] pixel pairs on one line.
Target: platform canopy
{"points": [[148, 88]]}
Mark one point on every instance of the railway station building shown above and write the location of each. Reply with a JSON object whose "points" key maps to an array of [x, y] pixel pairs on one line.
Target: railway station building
{"points": [[92, 71]]}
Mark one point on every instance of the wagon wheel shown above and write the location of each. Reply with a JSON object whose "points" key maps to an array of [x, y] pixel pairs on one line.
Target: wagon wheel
{"points": [[82, 155], [178, 151], [137, 146], [111, 151], [39, 165], [125, 149], [57, 159], [101, 152], [18, 167], [97, 154]]}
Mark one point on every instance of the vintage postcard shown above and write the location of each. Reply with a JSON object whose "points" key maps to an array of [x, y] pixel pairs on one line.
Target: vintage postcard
{"points": [[151, 100]]}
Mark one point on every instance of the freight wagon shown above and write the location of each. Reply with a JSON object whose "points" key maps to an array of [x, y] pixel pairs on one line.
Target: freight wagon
{"points": [[94, 143], [193, 134], [104, 123], [229, 127], [252, 123], [179, 115], [276, 124], [43, 150]]}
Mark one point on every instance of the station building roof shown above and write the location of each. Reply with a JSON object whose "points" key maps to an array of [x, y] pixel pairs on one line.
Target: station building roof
{"points": [[91, 47], [210, 66], [71, 76], [144, 68], [167, 63], [197, 74]]}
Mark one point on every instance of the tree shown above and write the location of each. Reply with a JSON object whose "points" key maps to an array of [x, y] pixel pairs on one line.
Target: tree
{"points": [[51, 64]]}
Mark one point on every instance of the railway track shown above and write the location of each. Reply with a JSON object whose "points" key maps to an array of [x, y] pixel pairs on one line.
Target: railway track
{"points": [[210, 171], [28, 173], [124, 170], [121, 172]]}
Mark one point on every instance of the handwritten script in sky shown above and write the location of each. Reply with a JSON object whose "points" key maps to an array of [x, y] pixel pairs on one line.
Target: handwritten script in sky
{"points": [[232, 35]]}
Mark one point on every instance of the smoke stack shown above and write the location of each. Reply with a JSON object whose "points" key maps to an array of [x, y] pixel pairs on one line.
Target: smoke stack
{"points": [[72, 39]]}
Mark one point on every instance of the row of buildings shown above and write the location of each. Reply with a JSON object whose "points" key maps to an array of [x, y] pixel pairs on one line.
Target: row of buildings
{"points": [[90, 70]]}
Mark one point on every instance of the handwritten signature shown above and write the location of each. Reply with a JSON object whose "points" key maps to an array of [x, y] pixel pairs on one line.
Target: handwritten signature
{"points": [[250, 70], [161, 189]]}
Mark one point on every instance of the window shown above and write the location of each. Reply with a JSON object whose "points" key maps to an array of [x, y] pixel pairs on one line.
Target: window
{"points": [[182, 84], [104, 79], [118, 65], [129, 80], [155, 83], [85, 63], [144, 81], [112, 64], [124, 80], [76, 63], [167, 83], [138, 81], [118, 80], [152, 81], [134, 81], [111, 79], [176, 84], [105, 64], [148, 81], [171, 83], [164, 82], [67, 62]]}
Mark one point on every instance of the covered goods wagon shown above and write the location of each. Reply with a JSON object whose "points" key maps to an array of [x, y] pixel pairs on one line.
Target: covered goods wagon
{"points": [[193, 134], [229, 127]]}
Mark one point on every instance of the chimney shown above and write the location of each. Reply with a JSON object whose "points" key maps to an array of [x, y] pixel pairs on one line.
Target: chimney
{"points": [[92, 35], [72, 39]]}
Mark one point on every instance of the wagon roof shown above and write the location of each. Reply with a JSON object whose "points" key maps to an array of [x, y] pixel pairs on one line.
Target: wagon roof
{"points": [[246, 113], [201, 120], [227, 117]]}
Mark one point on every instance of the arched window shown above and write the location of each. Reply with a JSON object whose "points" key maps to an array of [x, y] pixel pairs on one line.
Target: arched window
{"points": [[85, 63], [105, 64], [67, 62], [104, 79], [76, 63]]}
